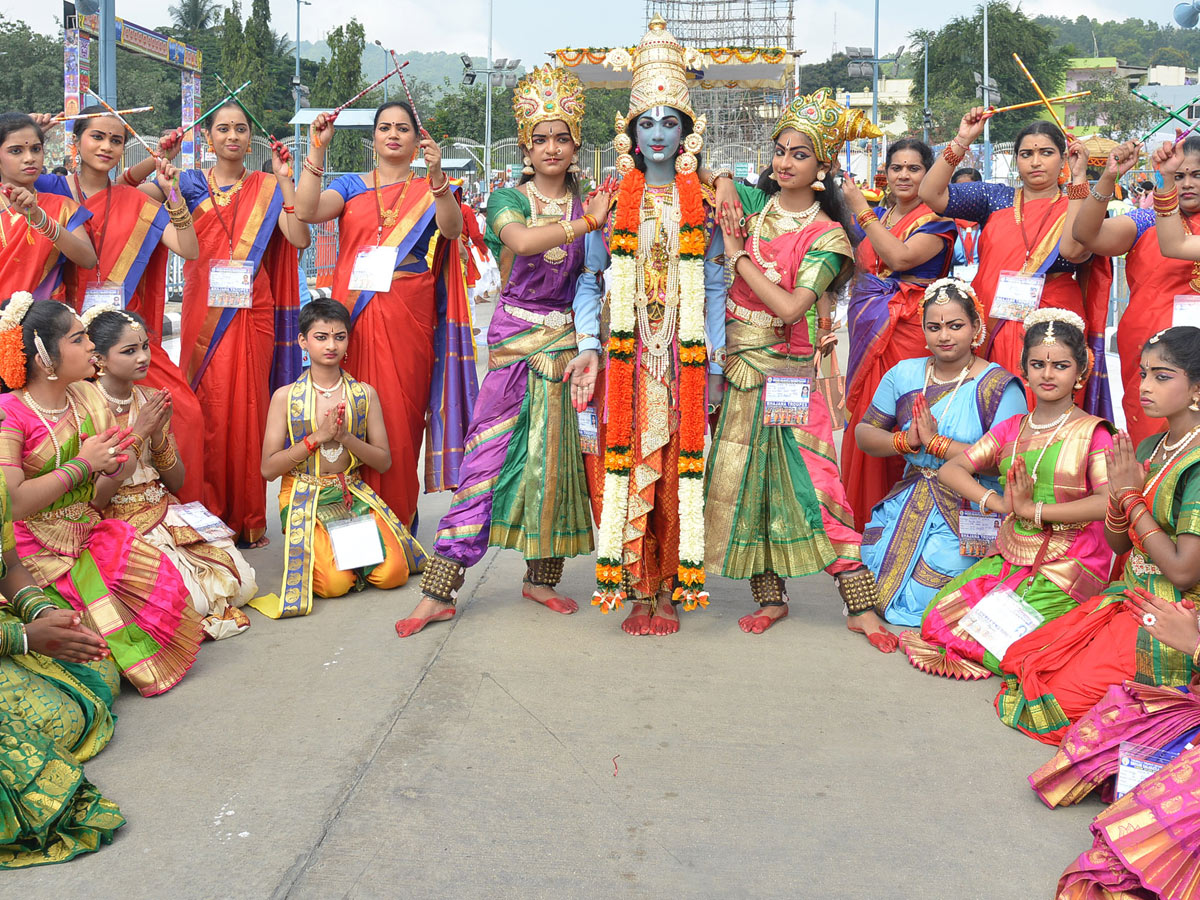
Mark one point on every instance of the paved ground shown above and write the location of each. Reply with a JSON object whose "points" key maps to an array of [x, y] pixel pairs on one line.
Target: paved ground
{"points": [[325, 758]]}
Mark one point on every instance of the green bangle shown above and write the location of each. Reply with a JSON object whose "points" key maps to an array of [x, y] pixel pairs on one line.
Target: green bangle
{"points": [[12, 639], [29, 601]]}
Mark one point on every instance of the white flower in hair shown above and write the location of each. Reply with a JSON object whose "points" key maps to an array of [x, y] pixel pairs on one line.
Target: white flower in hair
{"points": [[1053, 314], [939, 286], [16, 309]]}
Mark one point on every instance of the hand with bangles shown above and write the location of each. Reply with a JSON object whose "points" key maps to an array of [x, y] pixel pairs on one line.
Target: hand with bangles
{"points": [[924, 426], [60, 634], [1124, 470], [581, 373], [1174, 624], [103, 451], [153, 416]]}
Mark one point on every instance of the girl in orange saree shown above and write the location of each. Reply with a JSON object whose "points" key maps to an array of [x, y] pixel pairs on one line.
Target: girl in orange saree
{"points": [[132, 232], [38, 232], [241, 304], [1026, 245], [62, 457], [398, 272], [907, 247]]}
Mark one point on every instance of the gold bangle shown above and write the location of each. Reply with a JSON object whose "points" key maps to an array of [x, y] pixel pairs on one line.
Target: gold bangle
{"points": [[568, 230]]}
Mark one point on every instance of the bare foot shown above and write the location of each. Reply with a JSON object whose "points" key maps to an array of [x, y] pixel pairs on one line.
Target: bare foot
{"points": [[762, 619], [254, 545], [872, 626], [638, 620], [549, 598], [665, 620], [428, 610]]}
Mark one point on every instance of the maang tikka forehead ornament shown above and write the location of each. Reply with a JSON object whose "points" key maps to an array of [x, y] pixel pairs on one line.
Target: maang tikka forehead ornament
{"points": [[659, 65]]}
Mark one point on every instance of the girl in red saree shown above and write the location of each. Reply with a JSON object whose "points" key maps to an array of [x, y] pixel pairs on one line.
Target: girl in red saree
{"points": [[907, 247], [241, 302], [62, 457], [38, 232], [132, 232], [1155, 279], [412, 327], [1026, 244]]}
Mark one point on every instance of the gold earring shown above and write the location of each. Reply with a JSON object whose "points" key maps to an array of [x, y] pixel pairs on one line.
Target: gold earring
{"points": [[1079, 384], [1195, 405], [51, 375], [528, 170], [375, 153], [573, 168], [819, 185], [210, 146]]}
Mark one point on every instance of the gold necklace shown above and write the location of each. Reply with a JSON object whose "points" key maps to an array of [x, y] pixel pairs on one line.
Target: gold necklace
{"points": [[220, 197], [800, 221], [550, 207]]}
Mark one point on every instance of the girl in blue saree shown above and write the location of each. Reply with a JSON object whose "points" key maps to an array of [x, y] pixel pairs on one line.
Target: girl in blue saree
{"points": [[941, 404]]}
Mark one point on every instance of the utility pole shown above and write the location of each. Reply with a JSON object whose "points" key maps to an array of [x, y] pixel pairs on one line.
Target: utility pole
{"points": [[925, 112], [875, 93], [487, 110], [987, 101], [108, 52]]}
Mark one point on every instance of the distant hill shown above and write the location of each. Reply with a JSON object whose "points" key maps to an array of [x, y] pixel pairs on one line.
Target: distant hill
{"points": [[431, 68]]}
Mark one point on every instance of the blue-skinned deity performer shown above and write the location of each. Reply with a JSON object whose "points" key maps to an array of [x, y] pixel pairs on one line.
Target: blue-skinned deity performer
{"points": [[661, 326]]}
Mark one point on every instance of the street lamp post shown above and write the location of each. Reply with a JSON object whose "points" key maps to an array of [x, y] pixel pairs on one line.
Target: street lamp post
{"points": [[497, 73], [987, 101], [296, 89], [875, 92]]}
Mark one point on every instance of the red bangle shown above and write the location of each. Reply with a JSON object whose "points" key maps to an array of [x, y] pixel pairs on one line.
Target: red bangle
{"points": [[288, 209], [310, 445], [129, 181], [1078, 191], [901, 444]]}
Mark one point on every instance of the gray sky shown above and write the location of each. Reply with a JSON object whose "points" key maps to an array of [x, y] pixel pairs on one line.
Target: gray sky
{"points": [[527, 30]]}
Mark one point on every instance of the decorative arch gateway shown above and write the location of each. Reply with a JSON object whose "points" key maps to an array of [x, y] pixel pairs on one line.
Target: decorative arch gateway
{"points": [[78, 34]]}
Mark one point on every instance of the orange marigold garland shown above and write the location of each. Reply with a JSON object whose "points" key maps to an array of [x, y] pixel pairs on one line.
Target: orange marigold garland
{"points": [[622, 344], [12, 340]]}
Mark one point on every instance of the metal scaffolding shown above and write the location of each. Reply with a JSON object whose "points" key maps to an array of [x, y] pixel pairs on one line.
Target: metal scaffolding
{"points": [[735, 115]]}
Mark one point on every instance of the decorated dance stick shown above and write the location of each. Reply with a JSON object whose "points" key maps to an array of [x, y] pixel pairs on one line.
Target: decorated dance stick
{"points": [[284, 153], [208, 112], [1041, 95], [128, 127], [96, 115], [1171, 114], [1167, 121], [332, 115], [992, 110], [404, 81]]}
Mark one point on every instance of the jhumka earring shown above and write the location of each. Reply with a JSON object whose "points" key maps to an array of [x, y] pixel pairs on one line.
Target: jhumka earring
{"points": [[528, 170], [818, 184], [375, 154], [573, 168], [44, 357], [1195, 404], [211, 149]]}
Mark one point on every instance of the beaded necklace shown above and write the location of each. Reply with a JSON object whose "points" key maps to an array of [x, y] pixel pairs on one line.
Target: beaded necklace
{"points": [[1057, 424], [44, 415], [1164, 447]]}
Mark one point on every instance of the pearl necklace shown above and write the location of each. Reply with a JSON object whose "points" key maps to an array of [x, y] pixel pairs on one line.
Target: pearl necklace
{"points": [[1034, 426], [118, 404], [962, 376], [1163, 446], [800, 220], [43, 413], [327, 393], [1028, 420]]}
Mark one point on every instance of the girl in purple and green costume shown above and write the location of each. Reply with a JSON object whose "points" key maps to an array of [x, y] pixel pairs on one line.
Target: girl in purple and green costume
{"points": [[522, 483]]}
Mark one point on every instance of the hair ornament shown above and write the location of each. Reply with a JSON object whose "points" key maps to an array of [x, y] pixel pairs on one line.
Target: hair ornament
{"points": [[1158, 336], [939, 292], [42, 354], [100, 309], [12, 340], [1050, 315]]}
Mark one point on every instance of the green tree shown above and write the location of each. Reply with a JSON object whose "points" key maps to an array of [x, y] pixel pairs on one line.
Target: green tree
{"points": [[1169, 56], [33, 79], [1112, 108], [193, 16], [956, 51], [602, 107], [461, 113], [339, 78]]}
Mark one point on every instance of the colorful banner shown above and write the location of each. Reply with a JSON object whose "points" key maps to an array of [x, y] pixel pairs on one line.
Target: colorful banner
{"points": [[149, 43]]}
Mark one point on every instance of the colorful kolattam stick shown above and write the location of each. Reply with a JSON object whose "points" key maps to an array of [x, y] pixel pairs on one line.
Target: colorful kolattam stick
{"points": [[331, 116], [96, 115], [992, 110], [1041, 95], [128, 127]]}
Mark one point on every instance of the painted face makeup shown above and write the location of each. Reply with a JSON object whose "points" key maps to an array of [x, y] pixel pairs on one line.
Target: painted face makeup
{"points": [[659, 131]]}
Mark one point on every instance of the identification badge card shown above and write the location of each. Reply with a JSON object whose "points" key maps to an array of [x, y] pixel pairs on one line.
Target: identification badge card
{"points": [[201, 520], [1187, 310], [977, 532], [106, 294], [1000, 619], [230, 282], [966, 272], [1137, 763], [373, 269], [1017, 295], [356, 542], [589, 432], [786, 400]]}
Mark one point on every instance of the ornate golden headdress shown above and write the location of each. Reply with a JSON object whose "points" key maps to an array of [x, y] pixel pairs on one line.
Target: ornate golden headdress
{"points": [[547, 94], [827, 123], [659, 65]]}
